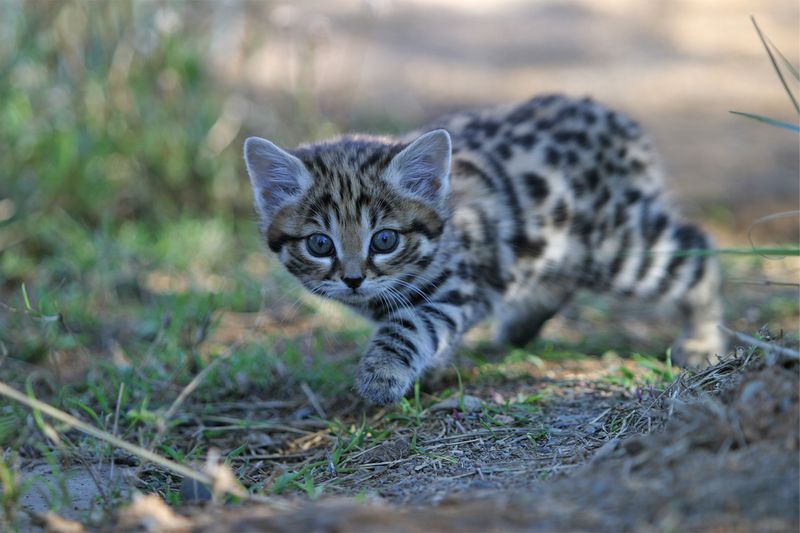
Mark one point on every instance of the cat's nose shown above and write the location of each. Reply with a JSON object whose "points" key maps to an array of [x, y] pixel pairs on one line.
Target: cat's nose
{"points": [[353, 283]]}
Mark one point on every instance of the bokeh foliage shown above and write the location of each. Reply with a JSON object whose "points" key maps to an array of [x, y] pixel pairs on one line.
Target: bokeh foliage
{"points": [[105, 114], [117, 170]]}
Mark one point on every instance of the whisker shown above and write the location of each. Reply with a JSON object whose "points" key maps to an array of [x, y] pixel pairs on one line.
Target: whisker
{"points": [[415, 289], [399, 298]]}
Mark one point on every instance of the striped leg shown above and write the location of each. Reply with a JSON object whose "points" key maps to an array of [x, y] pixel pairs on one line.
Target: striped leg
{"points": [[699, 301], [406, 343], [667, 262], [526, 310]]}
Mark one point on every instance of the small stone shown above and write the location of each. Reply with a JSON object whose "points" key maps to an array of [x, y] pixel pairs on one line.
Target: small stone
{"points": [[504, 419], [465, 404], [193, 491]]}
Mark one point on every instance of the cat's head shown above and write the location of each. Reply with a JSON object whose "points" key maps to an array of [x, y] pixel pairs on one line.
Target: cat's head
{"points": [[356, 218]]}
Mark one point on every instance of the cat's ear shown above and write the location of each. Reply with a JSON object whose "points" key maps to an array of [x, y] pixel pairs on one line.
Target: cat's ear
{"points": [[277, 176], [423, 167]]}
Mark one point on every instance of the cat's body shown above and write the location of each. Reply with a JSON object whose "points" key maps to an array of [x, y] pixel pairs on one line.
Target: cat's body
{"points": [[532, 202]]}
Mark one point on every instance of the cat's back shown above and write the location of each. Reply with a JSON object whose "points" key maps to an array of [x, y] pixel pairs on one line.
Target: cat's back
{"points": [[550, 163], [556, 140]]}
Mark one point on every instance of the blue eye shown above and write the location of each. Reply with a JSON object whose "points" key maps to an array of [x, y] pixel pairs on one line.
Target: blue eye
{"points": [[319, 245], [384, 241]]}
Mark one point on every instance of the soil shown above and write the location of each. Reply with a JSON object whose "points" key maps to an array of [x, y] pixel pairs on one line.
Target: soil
{"points": [[716, 450]]}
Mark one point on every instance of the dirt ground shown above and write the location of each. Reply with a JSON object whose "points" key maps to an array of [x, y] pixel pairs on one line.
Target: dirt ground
{"points": [[717, 450]]}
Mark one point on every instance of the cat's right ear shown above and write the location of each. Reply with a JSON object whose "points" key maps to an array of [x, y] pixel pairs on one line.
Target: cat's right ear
{"points": [[277, 177]]}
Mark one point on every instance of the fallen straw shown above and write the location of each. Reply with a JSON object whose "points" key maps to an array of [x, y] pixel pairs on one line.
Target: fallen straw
{"points": [[780, 351], [53, 412]]}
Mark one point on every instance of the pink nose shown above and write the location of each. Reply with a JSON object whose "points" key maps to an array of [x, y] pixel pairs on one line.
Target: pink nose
{"points": [[353, 283]]}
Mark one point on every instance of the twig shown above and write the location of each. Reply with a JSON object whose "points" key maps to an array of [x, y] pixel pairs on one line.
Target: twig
{"points": [[49, 410], [235, 424], [147, 455], [782, 352], [312, 398], [187, 390], [766, 282], [478, 433], [598, 417], [767, 218], [116, 424], [268, 404]]}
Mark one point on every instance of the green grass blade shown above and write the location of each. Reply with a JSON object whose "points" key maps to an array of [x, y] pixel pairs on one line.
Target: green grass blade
{"points": [[25, 298], [770, 121], [788, 64], [703, 252], [792, 251], [775, 65]]}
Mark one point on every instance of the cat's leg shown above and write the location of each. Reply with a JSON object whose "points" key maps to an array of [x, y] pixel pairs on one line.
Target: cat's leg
{"points": [[525, 310], [406, 343], [669, 263], [701, 342]]}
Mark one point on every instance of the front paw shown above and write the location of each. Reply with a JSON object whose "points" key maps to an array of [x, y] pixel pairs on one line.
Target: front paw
{"points": [[699, 351], [383, 381]]}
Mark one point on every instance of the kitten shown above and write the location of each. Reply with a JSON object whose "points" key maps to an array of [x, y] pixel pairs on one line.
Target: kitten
{"points": [[504, 211]]}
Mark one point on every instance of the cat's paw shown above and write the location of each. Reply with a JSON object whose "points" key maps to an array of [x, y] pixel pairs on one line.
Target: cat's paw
{"points": [[383, 382], [699, 351]]}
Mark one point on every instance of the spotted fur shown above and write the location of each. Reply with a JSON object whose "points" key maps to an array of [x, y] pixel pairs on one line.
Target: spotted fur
{"points": [[504, 211]]}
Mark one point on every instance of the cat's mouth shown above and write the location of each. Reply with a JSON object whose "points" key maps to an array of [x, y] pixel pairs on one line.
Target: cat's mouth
{"points": [[352, 298], [369, 290], [348, 295]]}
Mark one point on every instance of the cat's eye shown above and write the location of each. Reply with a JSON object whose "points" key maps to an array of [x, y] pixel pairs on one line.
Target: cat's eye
{"points": [[319, 245], [384, 241]]}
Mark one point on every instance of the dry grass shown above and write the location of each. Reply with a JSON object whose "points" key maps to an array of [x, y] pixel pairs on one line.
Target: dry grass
{"points": [[648, 464]]}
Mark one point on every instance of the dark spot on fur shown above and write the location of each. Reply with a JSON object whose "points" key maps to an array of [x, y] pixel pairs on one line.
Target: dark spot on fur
{"points": [[632, 196], [578, 187], [552, 156], [655, 229], [560, 213], [602, 198], [636, 166], [562, 137], [504, 150], [620, 215], [537, 186], [526, 141], [520, 114], [528, 248], [592, 178], [572, 157]]}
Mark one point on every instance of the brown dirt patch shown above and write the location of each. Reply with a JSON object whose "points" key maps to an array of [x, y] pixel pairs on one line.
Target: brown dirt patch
{"points": [[716, 450]]}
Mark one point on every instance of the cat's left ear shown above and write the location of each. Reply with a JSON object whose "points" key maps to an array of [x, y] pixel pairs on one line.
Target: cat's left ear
{"points": [[423, 168]]}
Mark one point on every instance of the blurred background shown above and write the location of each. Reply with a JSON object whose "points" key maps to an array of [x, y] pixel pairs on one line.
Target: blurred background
{"points": [[131, 270], [122, 192]]}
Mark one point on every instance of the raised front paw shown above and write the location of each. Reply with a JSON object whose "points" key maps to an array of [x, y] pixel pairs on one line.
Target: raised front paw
{"points": [[382, 380]]}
